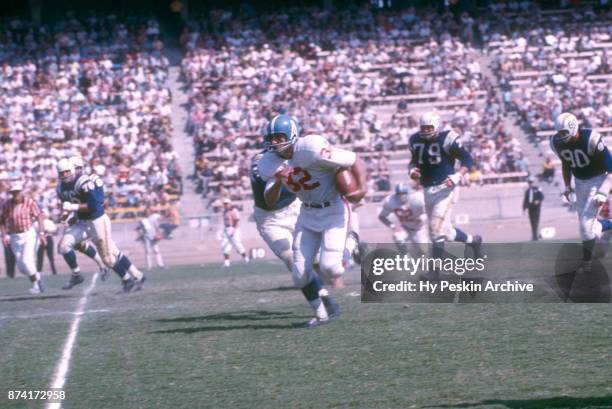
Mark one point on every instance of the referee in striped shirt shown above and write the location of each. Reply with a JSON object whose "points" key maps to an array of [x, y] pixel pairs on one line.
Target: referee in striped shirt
{"points": [[17, 228]]}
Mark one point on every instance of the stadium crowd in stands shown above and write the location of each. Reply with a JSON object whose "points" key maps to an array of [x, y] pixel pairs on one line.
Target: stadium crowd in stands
{"points": [[331, 70], [553, 64], [94, 87]]}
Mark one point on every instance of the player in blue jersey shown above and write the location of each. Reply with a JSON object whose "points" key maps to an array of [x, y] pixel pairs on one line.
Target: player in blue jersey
{"points": [[434, 155], [75, 236], [584, 156], [276, 224], [88, 202]]}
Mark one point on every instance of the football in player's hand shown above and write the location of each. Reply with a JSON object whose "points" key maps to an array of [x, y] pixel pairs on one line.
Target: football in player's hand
{"points": [[347, 186]]}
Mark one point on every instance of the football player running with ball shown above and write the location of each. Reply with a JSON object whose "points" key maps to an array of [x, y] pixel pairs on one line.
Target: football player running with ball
{"points": [[276, 225], [434, 153], [308, 167], [585, 156]]}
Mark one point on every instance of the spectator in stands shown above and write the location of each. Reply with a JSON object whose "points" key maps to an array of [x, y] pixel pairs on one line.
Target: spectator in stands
{"points": [[96, 89], [548, 171]]}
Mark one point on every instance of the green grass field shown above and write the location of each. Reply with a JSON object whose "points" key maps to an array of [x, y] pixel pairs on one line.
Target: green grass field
{"points": [[232, 338]]}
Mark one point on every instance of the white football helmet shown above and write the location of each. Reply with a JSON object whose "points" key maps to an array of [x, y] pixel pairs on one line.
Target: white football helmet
{"points": [[64, 166], [566, 126], [429, 119]]}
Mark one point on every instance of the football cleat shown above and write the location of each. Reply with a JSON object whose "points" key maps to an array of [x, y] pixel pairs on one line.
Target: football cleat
{"points": [[332, 307], [128, 285], [316, 322], [36, 289], [75, 279], [139, 285]]}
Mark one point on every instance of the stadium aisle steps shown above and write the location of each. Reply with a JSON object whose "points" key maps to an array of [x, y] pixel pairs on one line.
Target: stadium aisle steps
{"points": [[191, 202]]}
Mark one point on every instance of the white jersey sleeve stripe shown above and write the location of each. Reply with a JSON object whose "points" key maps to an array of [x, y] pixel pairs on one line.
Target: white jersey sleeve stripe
{"points": [[451, 137], [594, 140]]}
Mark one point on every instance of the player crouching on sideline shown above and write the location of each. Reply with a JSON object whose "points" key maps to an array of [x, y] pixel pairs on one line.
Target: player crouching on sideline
{"points": [[434, 153], [88, 198], [17, 229], [585, 156], [308, 167], [74, 236], [276, 225], [408, 206], [231, 238]]}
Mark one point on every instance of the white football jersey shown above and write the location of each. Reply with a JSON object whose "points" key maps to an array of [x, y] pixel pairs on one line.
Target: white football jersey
{"points": [[268, 165], [314, 165], [411, 214]]}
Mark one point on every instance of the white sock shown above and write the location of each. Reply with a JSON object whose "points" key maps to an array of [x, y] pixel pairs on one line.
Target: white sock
{"points": [[318, 308], [470, 238], [323, 292], [134, 272]]}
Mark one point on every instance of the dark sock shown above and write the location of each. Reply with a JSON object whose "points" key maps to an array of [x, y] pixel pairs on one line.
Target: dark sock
{"points": [[311, 290], [71, 260]]}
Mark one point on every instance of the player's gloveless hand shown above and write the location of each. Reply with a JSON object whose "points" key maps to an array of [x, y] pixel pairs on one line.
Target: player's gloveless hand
{"points": [[415, 173], [283, 174]]}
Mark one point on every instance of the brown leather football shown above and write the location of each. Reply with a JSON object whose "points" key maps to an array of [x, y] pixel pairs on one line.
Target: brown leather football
{"points": [[346, 184]]}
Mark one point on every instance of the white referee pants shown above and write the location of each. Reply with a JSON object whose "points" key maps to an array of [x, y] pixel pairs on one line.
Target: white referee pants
{"points": [[151, 246], [232, 239], [24, 246]]}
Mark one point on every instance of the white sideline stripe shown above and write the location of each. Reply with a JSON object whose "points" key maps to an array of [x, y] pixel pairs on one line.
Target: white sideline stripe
{"points": [[64, 363]]}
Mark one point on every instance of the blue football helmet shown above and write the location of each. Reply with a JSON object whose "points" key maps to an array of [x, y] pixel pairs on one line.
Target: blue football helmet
{"points": [[402, 191], [281, 125]]}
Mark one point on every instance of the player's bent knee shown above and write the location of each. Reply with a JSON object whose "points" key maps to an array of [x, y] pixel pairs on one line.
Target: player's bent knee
{"points": [[332, 269], [65, 246]]}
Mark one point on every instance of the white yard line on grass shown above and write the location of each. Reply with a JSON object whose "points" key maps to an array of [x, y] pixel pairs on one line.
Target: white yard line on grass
{"points": [[59, 378]]}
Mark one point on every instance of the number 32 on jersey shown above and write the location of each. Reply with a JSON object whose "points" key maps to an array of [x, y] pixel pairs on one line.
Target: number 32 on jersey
{"points": [[299, 179]]}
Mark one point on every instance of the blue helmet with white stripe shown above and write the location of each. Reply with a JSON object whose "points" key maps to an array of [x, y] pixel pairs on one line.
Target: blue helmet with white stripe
{"points": [[402, 191], [284, 125]]}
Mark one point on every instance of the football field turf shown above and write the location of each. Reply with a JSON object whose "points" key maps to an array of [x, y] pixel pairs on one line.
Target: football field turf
{"points": [[207, 337]]}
